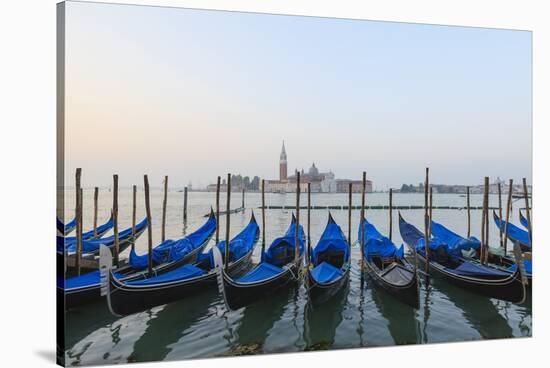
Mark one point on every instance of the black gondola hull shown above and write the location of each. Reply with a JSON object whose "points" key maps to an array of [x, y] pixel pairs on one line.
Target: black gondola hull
{"points": [[510, 288], [127, 299], [507, 262], [319, 293], [87, 295], [238, 295], [407, 293]]}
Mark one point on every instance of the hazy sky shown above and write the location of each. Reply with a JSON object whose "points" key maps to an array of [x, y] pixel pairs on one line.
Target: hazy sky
{"points": [[195, 94]]}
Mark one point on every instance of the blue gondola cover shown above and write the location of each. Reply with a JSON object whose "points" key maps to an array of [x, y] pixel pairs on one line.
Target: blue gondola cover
{"points": [[184, 272], [262, 271], [514, 232], [378, 245], [89, 246], [325, 272], [455, 243], [284, 245], [332, 241], [173, 250]]}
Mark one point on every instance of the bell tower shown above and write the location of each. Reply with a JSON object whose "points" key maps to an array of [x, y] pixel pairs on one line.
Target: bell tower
{"points": [[283, 164]]}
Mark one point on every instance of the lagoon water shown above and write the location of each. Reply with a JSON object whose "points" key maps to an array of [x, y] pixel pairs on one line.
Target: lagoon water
{"points": [[359, 316]]}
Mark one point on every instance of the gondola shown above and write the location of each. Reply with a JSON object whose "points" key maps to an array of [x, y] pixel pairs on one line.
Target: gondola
{"points": [[515, 234], [277, 269], [523, 220], [65, 229], [172, 251], [130, 296], [85, 289], [88, 235], [329, 264], [501, 262], [90, 248], [446, 264], [387, 266]]}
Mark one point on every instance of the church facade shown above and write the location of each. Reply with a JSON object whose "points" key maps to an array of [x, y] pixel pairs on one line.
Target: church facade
{"points": [[321, 182]]}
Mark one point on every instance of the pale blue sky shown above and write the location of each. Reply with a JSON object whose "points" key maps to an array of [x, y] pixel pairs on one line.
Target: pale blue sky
{"points": [[194, 94]]}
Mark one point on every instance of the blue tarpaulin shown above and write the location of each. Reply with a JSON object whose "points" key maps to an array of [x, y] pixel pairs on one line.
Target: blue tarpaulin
{"points": [[184, 272], [523, 220], [514, 232], [474, 270], [378, 245], [101, 229], [325, 272], [262, 271], [239, 246], [281, 249], [90, 246], [332, 240], [88, 279], [455, 243], [284, 245], [172, 250]]}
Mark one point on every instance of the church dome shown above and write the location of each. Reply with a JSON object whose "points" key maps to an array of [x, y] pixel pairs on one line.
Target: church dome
{"points": [[313, 171]]}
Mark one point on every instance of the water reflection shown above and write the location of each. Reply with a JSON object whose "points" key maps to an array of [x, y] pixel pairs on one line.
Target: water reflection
{"points": [[168, 325], [403, 326], [257, 320], [321, 321], [479, 311]]}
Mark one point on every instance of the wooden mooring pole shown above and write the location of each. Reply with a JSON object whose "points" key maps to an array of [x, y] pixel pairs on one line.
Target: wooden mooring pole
{"points": [[96, 195], [350, 193], [431, 210], [508, 214], [297, 230], [115, 219], [500, 214], [362, 221], [426, 219], [390, 214], [468, 209], [527, 211], [164, 203], [242, 203], [78, 215], [149, 226], [185, 204], [134, 194], [483, 214], [263, 217], [217, 211], [308, 222], [227, 227]]}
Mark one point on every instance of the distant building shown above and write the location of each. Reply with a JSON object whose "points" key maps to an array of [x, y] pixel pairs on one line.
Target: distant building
{"points": [[320, 182], [283, 169]]}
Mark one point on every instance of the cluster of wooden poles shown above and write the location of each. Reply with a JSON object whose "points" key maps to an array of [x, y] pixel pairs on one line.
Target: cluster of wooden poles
{"points": [[503, 233], [114, 216], [428, 206]]}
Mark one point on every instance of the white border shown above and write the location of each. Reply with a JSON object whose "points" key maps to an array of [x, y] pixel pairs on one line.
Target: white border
{"points": [[27, 113]]}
